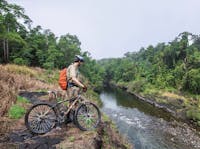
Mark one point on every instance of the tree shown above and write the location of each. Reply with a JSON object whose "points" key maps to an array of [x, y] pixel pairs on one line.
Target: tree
{"points": [[9, 16], [69, 46]]}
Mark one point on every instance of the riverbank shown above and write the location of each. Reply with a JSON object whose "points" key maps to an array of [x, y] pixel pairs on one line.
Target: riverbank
{"points": [[17, 136], [145, 125], [36, 83], [175, 104]]}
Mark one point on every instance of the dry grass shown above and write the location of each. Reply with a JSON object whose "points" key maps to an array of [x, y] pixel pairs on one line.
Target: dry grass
{"points": [[172, 95], [8, 91], [22, 70], [14, 78]]}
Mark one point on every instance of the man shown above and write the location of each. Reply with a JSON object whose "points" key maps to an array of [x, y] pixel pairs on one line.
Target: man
{"points": [[74, 83]]}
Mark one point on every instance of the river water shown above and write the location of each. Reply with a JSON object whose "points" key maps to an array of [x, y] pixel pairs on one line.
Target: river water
{"points": [[145, 126]]}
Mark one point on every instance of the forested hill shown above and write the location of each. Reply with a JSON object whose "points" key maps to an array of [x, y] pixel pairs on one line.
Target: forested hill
{"points": [[173, 65]]}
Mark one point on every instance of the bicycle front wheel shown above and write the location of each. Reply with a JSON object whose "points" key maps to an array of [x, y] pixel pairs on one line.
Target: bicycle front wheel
{"points": [[40, 118], [87, 116]]}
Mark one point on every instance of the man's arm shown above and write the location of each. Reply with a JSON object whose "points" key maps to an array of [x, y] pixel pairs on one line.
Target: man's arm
{"points": [[77, 82]]}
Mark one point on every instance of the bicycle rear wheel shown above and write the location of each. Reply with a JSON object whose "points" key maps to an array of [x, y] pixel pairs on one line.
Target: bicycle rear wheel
{"points": [[40, 118], [87, 116]]}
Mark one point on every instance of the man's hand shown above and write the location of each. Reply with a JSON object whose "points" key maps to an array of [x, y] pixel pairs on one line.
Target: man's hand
{"points": [[84, 88]]}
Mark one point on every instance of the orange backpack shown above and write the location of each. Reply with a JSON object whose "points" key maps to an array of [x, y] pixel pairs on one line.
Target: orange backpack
{"points": [[63, 79]]}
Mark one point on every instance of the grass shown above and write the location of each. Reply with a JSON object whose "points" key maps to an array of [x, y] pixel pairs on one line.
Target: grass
{"points": [[172, 95], [20, 70], [21, 100], [16, 112], [105, 118], [71, 139], [194, 114], [49, 76]]}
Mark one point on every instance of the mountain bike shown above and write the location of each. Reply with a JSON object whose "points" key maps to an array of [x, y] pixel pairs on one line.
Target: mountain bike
{"points": [[43, 117]]}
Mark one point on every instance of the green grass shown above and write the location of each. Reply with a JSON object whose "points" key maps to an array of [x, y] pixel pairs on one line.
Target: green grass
{"points": [[21, 100], [16, 112], [71, 139]]}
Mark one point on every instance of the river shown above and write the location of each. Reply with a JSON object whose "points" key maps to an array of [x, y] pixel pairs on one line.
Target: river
{"points": [[145, 126]]}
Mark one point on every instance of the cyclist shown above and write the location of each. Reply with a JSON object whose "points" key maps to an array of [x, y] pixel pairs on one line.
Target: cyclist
{"points": [[74, 83]]}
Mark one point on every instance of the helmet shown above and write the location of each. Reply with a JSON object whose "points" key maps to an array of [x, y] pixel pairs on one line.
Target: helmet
{"points": [[78, 58]]}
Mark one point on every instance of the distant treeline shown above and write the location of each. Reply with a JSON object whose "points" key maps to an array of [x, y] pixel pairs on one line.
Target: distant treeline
{"points": [[173, 65], [22, 44]]}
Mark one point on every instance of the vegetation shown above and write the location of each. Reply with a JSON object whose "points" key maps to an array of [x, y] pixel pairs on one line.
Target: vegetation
{"points": [[17, 110], [173, 65], [168, 72], [21, 100]]}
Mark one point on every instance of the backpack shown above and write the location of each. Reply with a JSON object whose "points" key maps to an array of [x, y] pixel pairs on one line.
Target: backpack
{"points": [[63, 79]]}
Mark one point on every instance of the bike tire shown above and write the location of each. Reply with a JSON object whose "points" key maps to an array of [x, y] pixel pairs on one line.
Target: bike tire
{"points": [[38, 123], [83, 116]]}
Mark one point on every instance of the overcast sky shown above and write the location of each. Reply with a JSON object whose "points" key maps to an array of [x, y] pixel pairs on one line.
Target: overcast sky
{"points": [[110, 28]]}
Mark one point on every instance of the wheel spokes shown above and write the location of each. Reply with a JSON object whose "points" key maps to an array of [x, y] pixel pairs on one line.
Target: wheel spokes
{"points": [[41, 119], [88, 117]]}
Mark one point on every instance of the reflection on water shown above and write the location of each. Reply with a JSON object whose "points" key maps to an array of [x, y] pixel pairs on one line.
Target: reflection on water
{"points": [[140, 122]]}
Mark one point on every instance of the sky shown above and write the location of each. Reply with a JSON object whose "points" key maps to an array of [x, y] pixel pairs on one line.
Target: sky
{"points": [[110, 28]]}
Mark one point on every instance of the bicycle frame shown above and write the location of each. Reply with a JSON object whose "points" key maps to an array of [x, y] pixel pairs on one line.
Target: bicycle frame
{"points": [[75, 100]]}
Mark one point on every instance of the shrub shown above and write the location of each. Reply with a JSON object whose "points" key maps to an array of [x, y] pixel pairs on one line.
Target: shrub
{"points": [[192, 81], [137, 86], [48, 65], [20, 61]]}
